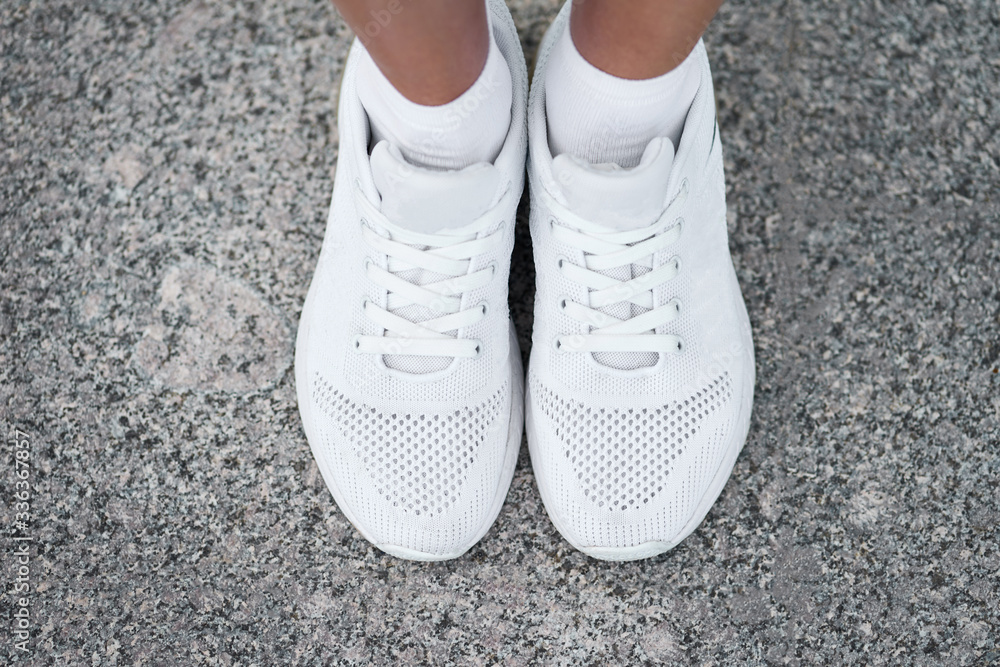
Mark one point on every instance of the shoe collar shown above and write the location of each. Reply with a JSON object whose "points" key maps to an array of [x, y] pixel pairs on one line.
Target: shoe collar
{"points": [[353, 120], [696, 139]]}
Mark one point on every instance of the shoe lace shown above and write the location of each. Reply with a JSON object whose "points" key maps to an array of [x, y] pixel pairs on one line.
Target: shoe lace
{"points": [[605, 250], [449, 255]]}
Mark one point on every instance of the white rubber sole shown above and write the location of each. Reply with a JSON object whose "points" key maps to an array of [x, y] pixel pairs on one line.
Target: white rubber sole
{"points": [[650, 549], [515, 430]]}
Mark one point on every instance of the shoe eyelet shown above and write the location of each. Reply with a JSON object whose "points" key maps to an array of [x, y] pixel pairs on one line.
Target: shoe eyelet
{"points": [[357, 343], [677, 228], [560, 261], [557, 344], [680, 345], [677, 305], [563, 302], [494, 268], [479, 350], [484, 307]]}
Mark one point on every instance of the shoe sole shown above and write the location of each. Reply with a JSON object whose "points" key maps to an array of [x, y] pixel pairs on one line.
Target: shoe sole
{"points": [[515, 430], [650, 549]]}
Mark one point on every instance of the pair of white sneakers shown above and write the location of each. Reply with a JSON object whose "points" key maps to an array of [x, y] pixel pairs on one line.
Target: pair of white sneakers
{"points": [[407, 368]]}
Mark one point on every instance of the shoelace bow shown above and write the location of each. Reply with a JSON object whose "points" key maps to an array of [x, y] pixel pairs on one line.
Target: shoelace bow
{"points": [[445, 254], [606, 249]]}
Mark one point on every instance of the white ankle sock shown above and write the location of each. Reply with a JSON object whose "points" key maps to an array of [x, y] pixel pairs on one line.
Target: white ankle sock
{"points": [[469, 129], [603, 118]]}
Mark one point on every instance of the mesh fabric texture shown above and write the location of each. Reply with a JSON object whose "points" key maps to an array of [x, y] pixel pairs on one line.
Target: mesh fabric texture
{"points": [[623, 457], [418, 461]]}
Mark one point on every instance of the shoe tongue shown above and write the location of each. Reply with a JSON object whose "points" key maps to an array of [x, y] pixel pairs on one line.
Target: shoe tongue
{"points": [[618, 198], [430, 201]]}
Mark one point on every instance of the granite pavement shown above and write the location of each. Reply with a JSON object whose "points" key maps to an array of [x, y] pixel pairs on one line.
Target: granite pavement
{"points": [[165, 172]]}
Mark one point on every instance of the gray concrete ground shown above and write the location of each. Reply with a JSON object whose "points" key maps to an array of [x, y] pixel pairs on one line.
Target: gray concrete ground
{"points": [[165, 170]]}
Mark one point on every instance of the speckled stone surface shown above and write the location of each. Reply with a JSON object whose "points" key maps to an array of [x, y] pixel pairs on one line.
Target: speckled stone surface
{"points": [[165, 171]]}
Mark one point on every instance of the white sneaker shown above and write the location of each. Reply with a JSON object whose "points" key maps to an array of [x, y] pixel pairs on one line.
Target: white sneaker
{"points": [[641, 377], [407, 371]]}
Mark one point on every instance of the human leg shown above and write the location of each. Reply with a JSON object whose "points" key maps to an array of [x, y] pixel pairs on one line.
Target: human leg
{"points": [[622, 76], [431, 79]]}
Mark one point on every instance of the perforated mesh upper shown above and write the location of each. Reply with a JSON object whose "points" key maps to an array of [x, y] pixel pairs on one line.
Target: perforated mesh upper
{"points": [[418, 462], [622, 456]]}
